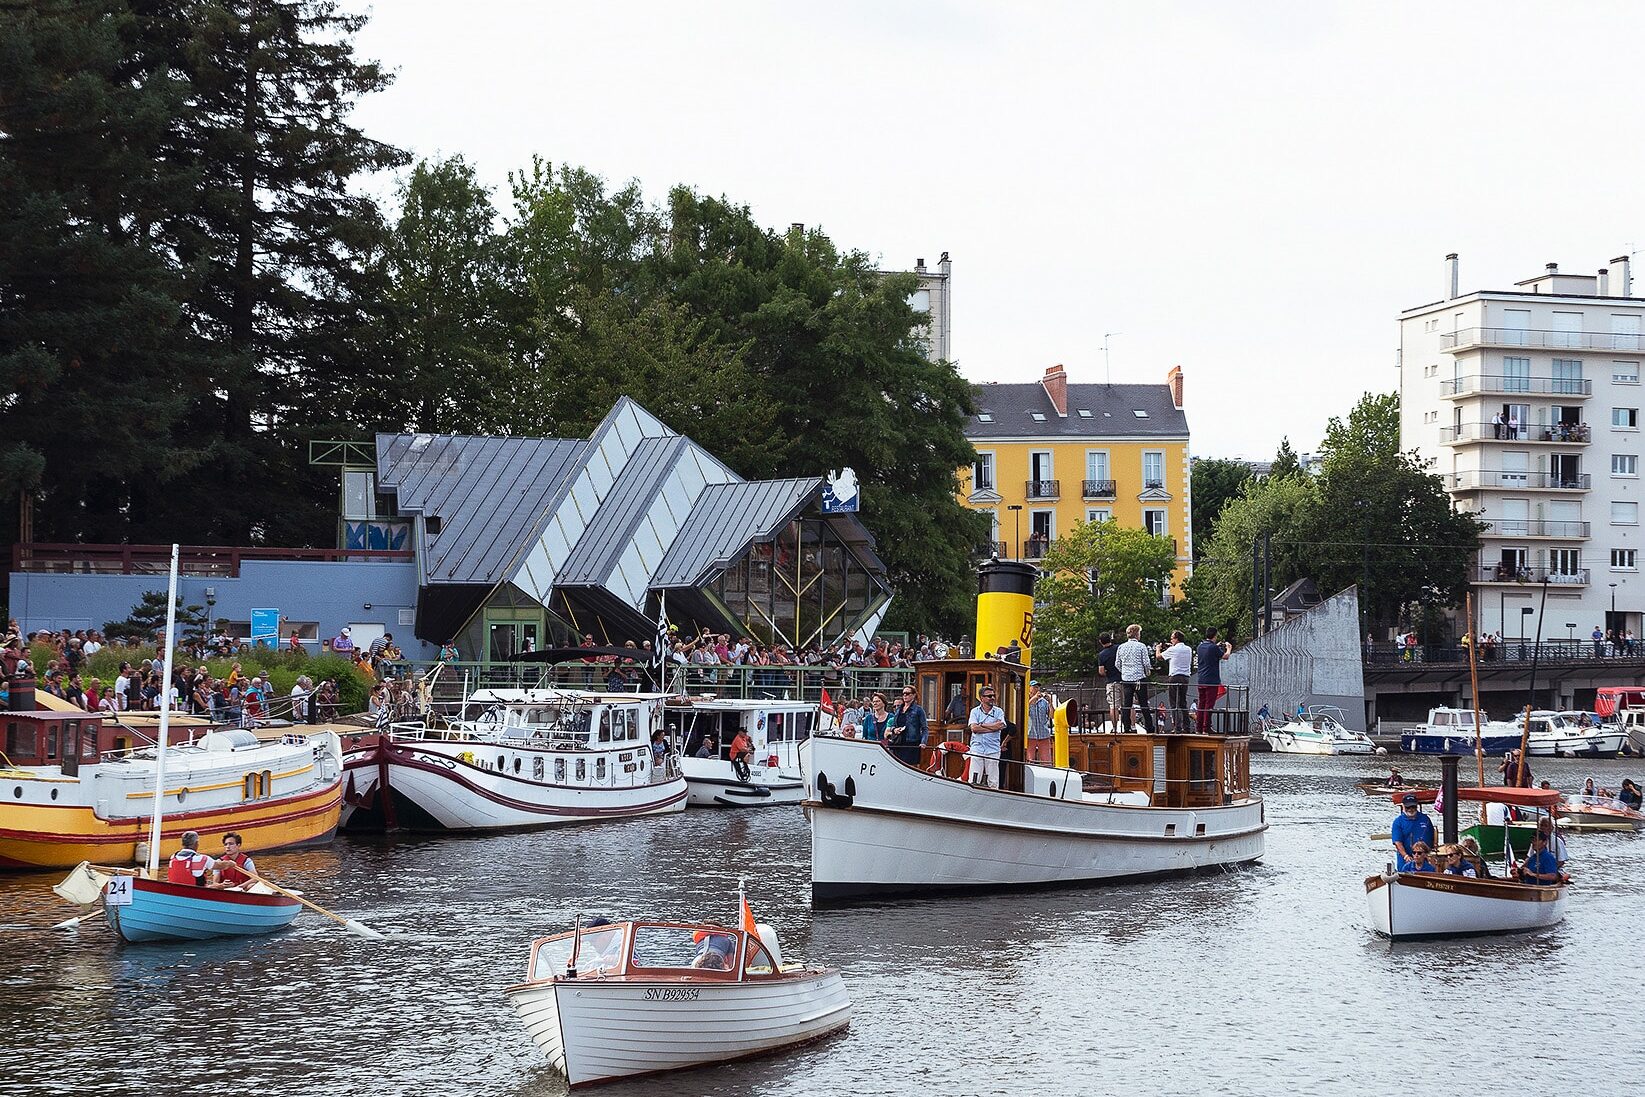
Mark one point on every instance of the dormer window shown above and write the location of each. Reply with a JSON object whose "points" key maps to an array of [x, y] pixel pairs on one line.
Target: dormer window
{"points": [[984, 417], [1039, 416], [1085, 413], [1140, 414]]}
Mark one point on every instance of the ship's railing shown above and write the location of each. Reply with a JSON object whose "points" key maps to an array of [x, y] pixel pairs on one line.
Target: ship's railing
{"points": [[769, 683]]}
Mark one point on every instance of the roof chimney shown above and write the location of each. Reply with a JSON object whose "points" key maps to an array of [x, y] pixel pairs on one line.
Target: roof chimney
{"points": [[1055, 383], [1553, 268], [1173, 377], [919, 265], [1624, 277], [1604, 282], [1451, 264]]}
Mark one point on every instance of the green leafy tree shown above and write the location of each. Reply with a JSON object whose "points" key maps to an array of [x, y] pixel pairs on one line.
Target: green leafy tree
{"points": [[1285, 461], [1214, 482], [1383, 520], [147, 620], [1100, 578], [1284, 507]]}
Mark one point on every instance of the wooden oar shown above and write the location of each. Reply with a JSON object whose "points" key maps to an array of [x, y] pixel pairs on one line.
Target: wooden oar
{"points": [[359, 929], [74, 923]]}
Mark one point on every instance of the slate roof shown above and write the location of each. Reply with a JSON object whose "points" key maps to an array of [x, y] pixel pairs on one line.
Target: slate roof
{"points": [[726, 518], [492, 495], [1111, 407], [624, 507]]}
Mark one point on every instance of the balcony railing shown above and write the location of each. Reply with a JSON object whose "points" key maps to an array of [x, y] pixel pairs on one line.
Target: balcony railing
{"points": [[1476, 479], [207, 560], [1522, 527], [1553, 340], [1153, 485], [1044, 489], [1097, 489], [1507, 573], [1526, 386], [1035, 548], [992, 548], [1566, 434]]}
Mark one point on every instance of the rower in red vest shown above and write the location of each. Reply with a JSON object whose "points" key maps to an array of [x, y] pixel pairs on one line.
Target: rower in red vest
{"points": [[234, 859], [188, 865]]}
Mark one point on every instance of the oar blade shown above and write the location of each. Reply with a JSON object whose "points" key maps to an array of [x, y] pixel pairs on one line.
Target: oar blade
{"points": [[360, 929]]}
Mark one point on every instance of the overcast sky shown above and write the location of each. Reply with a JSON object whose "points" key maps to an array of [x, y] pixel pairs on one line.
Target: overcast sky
{"points": [[1252, 190]]}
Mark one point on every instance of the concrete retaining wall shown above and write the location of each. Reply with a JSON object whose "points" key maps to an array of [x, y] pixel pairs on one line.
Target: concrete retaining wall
{"points": [[1310, 660]]}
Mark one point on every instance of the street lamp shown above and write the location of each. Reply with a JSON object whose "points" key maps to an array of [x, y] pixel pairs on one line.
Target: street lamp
{"points": [[1016, 509]]}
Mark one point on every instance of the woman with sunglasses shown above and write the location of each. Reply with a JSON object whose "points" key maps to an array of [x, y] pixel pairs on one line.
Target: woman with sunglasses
{"points": [[911, 728]]}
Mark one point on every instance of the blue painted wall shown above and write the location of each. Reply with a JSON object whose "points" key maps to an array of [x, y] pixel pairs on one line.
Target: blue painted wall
{"points": [[333, 593]]}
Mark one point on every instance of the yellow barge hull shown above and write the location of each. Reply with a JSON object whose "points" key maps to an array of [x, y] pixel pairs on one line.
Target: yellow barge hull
{"points": [[41, 836]]}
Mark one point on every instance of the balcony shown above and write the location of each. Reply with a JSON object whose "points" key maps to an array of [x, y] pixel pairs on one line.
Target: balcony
{"points": [[1560, 434], [1097, 489], [1506, 573], [1548, 340], [1036, 547], [1522, 527], [1044, 489], [985, 549], [1516, 386], [1484, 479]]}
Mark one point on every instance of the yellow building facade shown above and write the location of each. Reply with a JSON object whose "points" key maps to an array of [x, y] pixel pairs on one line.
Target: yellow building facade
{"points": [[1051, 455]]}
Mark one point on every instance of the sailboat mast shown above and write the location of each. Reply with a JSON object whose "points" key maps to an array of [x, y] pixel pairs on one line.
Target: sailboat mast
{"points": [[165, 723]]}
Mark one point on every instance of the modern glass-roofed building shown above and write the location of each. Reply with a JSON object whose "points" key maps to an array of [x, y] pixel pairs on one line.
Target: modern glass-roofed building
{"points": [[500, 542]]}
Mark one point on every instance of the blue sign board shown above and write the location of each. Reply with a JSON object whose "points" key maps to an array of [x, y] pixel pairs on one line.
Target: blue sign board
{"points": [[265, 625], [839, 494]]}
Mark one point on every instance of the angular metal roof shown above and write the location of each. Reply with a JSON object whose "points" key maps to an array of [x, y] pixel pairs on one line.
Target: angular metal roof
{"points": [[1113, 411], [492, 496], [611, 529], [726, 518]]}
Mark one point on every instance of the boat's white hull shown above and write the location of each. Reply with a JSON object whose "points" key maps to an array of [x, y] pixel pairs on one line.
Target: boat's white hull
{"points": [[713, 783], [460, 795], [1432, 905], [1281, 743], [1591, 744], [908, 831], [594, 1032]]}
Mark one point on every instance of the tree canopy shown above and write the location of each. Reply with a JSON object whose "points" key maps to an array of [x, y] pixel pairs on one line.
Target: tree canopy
{"points": [[1214, 482], [1100, 578]]}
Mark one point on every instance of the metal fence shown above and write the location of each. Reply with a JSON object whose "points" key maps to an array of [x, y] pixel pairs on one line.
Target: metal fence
{"points": [[1548, 653], [455, 681]]}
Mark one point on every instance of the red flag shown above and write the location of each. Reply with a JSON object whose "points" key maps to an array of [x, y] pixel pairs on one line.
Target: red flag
{"points": [[749, 925], [828, 703], [1222, 691]]}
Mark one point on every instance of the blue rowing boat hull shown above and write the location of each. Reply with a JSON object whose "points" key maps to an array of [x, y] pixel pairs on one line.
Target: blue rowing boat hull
{"points": [[1455, 744], [160, 911]]}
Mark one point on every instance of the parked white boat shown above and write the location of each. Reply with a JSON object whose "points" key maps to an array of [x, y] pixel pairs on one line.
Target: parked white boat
{"points": [[1562, 734], [526, 759], [1406, 905], [1451, 731], [635, 998], [776, 730], [1318, 729]]}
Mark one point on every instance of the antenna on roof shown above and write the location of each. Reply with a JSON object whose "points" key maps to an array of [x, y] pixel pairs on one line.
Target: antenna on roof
{"points": [[1107, 376]]}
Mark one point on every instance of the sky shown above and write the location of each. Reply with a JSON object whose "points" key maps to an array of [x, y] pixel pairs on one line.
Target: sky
{"points": [[1250, 190]]}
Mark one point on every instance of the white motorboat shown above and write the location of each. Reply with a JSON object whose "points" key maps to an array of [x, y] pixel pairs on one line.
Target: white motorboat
{"points": [[1452, 731], [635, 998], [521, 759], [775, 729], [1565, 735], [1599, 814], [1405, 905], [1318, 729]]}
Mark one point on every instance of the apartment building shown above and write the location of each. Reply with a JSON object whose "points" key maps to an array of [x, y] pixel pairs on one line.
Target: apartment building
{"points": [[934, 298], [1052, 454], [1528, 402]]}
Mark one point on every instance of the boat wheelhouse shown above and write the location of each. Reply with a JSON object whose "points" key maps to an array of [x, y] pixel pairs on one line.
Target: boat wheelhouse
{"points": [[1564, 735], [1452, 731], [635, 998]]}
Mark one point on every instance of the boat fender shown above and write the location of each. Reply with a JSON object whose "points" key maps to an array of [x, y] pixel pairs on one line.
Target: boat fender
{"points": [[768, 938]]}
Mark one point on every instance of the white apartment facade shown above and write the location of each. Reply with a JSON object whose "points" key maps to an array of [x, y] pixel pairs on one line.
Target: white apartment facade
{"points": [[1528, 402]]}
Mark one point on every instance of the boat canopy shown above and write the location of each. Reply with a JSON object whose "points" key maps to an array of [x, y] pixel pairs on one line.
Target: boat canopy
{"points": [[1518, 797]]}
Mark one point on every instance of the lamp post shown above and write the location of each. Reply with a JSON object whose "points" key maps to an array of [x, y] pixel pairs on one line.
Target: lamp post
{"points": [[1016, 509]]}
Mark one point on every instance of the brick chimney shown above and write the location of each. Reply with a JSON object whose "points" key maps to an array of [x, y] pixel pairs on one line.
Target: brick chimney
{"points": [[1055, 383], [1174, 379]]}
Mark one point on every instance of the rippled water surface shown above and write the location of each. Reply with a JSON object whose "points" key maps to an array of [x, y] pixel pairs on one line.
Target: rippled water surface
{"points": [[1260, 981]]}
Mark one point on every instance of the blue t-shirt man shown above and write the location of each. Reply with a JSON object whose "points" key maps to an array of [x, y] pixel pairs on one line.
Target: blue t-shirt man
{"points": [[1210, 663], [1410, 827], [1540, 862]]}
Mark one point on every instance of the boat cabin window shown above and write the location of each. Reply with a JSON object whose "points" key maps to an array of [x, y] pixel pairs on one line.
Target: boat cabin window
{"points": [[758, 961], [605, 724], [19, 741], [683, 947], [51, 739], [599, 949], [788, 727]]}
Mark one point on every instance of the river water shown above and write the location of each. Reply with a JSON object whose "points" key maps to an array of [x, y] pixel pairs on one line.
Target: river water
{"points": [[1255, 981]]}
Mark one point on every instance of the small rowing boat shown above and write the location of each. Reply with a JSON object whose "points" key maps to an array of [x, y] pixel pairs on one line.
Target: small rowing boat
{"points": [[1581, 813], [620, 1000]]}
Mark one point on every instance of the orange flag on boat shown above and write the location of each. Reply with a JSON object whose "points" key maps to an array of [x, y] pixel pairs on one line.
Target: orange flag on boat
{"points": [[749, 925], [828, 703]]}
